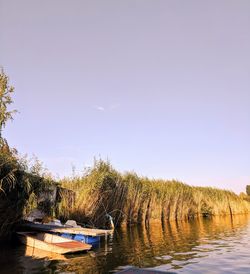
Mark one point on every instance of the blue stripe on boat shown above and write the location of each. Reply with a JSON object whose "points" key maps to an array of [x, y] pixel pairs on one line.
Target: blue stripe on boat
{"points": [[82, 238]]}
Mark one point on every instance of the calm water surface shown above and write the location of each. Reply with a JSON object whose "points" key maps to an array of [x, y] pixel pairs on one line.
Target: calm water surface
{"points": [[219, 245]]}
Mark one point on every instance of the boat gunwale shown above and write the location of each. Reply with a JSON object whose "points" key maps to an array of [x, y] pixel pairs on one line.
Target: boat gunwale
{"points": [[67, 229]]}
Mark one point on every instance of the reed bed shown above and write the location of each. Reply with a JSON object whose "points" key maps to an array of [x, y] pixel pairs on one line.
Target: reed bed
{"points": [[98, 192], [132, 199]]}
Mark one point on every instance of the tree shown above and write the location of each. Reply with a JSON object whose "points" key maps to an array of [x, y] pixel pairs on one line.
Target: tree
{"points": [[5, 100], [248, 190]]}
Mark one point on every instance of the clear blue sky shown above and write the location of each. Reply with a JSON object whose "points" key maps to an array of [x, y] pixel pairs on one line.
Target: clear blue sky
{"points": [[158, 87]]}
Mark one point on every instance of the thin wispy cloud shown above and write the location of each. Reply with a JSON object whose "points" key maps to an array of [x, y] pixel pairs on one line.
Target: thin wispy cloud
{"points": [[100, 108], [111, 107]]}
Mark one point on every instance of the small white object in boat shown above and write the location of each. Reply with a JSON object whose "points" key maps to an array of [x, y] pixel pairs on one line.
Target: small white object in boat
{"points": [[55, 222], [72, 223]]}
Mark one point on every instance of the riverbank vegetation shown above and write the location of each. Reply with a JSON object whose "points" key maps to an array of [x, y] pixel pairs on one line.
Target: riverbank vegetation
{"points": [[133, 199], [20, 187]]}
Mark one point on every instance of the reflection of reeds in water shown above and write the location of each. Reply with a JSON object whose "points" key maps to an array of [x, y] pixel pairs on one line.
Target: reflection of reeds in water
{"points": [[157, 245], [132, 199]]}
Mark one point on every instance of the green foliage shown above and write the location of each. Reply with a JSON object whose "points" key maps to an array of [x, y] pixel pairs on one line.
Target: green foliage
{"points": [[14, 189], [8, 166], [19, 188], [5, 100]]}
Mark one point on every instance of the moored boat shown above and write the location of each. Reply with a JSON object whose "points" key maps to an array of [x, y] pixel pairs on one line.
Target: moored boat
{"points": [[51, 242], [78, 233]]}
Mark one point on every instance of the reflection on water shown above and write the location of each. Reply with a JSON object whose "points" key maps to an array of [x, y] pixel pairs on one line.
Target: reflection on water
{"points": [[218, 245]]}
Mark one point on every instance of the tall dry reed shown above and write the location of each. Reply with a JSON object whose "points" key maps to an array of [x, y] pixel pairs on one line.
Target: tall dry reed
{"points": [[132, 199]]}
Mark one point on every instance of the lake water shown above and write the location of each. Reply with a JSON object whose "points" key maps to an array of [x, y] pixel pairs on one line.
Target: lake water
{"points": [[218, 245]]}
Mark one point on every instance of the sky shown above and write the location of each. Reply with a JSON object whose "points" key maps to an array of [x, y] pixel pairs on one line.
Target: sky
{"points": [[158, 87]]}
